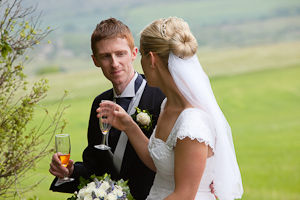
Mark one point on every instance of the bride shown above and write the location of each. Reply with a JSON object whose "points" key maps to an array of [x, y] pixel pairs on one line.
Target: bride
{"points": [[191, 145]]}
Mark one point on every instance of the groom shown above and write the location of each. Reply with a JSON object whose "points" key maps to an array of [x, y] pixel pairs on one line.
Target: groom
{"points": [[114, 52]]}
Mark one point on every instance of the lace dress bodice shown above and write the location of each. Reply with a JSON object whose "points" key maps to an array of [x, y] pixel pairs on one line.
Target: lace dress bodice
{"points": [[192, 123]]}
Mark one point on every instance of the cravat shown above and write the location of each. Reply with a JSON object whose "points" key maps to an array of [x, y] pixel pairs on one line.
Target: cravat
{"points": [[124, 102]]}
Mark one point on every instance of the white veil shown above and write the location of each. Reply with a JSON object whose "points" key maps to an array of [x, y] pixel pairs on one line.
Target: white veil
{"points": [[194, 84]]}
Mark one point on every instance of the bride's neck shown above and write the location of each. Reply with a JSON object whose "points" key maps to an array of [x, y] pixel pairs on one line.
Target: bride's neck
{"points": [[174, 96], [169, 88]]}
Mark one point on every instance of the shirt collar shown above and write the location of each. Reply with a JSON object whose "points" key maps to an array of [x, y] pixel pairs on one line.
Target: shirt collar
{"points": [[129, 90]]}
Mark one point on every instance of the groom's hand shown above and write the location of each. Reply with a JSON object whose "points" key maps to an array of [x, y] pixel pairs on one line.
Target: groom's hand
{"points": [[58, 170]]}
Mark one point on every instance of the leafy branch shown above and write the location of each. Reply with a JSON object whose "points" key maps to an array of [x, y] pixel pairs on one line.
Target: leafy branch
{"points": [[22, 148]]}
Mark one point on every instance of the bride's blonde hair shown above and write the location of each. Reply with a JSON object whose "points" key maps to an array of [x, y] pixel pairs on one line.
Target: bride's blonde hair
{"points": [[165, 35]]}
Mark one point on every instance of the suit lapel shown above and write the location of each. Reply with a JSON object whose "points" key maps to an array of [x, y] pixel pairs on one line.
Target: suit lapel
{"points": [[110, 95]]}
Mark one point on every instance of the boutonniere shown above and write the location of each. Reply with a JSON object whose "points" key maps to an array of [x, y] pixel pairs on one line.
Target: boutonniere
{"points": [[143, 118]]}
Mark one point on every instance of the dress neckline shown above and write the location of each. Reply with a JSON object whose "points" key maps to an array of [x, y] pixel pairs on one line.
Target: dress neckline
{"points": [[179, 116]]}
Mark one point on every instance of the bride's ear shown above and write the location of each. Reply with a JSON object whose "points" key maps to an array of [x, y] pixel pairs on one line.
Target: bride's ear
{"points": [[152, 58]]}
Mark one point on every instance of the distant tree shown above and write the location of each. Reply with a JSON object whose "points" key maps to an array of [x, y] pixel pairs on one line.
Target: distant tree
{"points": [[20, 147]]}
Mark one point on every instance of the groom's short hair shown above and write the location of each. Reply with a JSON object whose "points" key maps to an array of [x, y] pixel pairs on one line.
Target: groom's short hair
{"points": [[110, 29]]}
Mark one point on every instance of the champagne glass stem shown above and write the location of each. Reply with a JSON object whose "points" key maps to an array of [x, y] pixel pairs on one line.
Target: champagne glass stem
{"points": [[104, 138]]}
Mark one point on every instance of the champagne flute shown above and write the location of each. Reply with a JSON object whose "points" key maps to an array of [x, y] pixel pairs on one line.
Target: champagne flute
{"points": [[105, 121], [63, 149]]}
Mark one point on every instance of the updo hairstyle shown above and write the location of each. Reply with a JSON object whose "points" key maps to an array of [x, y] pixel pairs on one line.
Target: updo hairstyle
{"points": [[165, 35]]}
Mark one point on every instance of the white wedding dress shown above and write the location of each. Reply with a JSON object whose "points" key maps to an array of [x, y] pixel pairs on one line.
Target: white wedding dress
{"points": [[192, 123]]}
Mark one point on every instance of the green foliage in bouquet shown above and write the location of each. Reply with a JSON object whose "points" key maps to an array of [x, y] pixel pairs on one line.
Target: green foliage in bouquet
{"points": [[106, 177]]}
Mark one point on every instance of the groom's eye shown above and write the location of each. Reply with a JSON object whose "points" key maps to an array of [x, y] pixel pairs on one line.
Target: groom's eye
{"points": [[104, 56], [122, 53]]}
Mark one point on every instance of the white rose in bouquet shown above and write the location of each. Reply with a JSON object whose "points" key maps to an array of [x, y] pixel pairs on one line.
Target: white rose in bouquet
{"points": [[100, 193], [91, 185], [105, 185], [143, 118], [89, 189], [118, 190], [111, 196], [81, 192], [88, 197]]}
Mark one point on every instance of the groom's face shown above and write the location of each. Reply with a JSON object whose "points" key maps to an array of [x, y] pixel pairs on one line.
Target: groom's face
{"points": [[115, 58]]}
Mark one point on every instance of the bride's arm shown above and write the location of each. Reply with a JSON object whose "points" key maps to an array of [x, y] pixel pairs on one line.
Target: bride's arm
{"points": [[139, 141], [123, 122], [190, 160]]}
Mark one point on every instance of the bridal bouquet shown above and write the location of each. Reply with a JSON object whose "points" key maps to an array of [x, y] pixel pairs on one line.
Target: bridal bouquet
{"points": [[102, 188]]}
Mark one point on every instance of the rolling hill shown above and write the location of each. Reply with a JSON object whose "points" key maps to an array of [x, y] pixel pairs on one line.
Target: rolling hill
{"points": [[216, 24]]}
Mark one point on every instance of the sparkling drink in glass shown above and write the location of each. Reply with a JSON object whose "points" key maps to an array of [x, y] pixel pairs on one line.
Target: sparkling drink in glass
{"points": [[105, 121], [63, 150]]}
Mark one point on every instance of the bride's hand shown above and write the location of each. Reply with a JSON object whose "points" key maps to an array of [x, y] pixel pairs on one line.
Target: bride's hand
{"points": [[121, 120]]}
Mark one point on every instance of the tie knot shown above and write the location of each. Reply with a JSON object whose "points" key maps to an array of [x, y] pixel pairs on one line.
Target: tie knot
{"points": [[123, 102]]}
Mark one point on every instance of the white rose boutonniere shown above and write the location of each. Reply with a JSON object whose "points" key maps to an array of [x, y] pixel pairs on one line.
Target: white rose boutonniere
{"points": [[143, 118]]}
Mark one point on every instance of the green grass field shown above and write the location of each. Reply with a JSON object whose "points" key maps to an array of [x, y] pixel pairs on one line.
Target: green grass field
{"points": [[257, 88]]}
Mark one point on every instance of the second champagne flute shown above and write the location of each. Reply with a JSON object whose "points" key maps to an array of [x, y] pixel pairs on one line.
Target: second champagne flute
{"points": [[105, 121], [63, 149]]}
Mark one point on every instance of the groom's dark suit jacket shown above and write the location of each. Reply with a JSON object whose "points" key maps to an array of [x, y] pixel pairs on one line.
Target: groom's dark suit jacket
{"points": [[99, 162]]}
